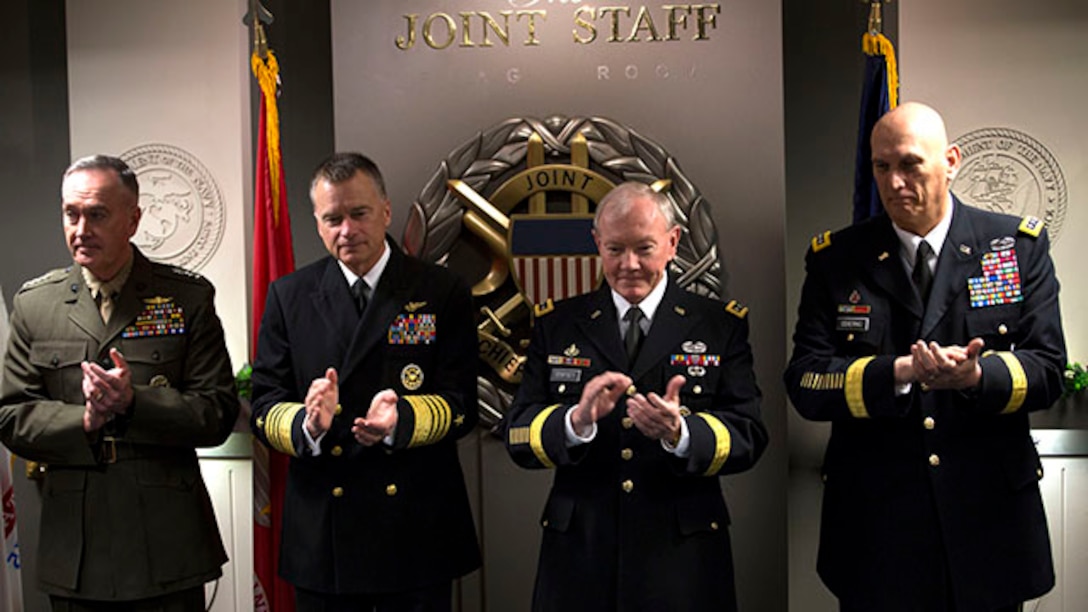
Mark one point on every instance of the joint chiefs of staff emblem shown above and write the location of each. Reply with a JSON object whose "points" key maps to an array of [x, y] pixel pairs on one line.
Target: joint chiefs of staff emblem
{"points": [[182, 213], [511, 209], [1007, 171]]}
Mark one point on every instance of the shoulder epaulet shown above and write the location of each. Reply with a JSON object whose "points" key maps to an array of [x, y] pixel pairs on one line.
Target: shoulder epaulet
{"points": [[736, 309], [1032, 226], [182, 274], [539, 310], [821, 241], [51, 276]]}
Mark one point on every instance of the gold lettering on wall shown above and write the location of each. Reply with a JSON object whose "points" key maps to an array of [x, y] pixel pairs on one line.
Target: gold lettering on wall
{"points": [[619, 24]]}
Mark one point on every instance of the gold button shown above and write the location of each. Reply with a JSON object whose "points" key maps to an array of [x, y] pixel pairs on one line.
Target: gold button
{"points": [[823, 477], [849, 337], [924, 387], [562, 388], [628, 422], [1002, 329], [1039, 472], [544, 523], [628, 486], [929, 423], [391, 490], [338, 410], [684, 411], [338, 492], [934, 460], [713, 525], [697, 389], [626, 454], [632, 390], [336, 451]]}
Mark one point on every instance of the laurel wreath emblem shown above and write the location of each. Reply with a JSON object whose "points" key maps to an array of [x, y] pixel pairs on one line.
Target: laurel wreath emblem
{"points": [[617, 152]]}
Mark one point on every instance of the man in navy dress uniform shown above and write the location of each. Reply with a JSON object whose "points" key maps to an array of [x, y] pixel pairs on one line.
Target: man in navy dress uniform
{"points": [[365, 375], [926, 336]]}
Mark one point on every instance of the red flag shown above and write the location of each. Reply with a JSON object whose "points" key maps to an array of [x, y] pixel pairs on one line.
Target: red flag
{"points": [[273, 257]]}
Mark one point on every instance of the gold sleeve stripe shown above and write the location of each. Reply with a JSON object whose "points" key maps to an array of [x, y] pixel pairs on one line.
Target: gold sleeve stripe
{"points": [[432, 419], [823, 381], [723, 442], [1019, 382], [277, 426], [536, 436], [519, 435], [855, 396]]}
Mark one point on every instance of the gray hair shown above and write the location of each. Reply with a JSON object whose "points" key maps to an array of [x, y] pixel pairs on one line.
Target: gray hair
{"points": [[340, 167], [625, 194], [106, 162]]}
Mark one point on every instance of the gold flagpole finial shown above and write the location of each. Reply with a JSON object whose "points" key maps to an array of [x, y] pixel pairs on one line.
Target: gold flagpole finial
{"points": [[257, 16], [876, 19]]}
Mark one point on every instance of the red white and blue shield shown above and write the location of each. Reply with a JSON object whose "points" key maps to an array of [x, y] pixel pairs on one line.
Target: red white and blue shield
{"points": [[553, 256]]}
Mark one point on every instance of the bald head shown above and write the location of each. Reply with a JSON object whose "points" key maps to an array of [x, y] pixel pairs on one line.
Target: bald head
{"points": [[913, 166]]}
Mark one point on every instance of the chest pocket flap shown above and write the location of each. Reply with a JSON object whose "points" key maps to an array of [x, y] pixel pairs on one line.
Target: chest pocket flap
{"points": [[56, 354]]}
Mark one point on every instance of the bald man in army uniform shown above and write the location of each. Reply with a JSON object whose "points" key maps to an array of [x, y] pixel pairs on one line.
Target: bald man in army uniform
{"points": [[926, 336], [116, 370]]}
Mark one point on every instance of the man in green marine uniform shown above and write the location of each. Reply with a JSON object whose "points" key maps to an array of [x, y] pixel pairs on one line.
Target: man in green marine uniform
{"points": [[116, 370]]}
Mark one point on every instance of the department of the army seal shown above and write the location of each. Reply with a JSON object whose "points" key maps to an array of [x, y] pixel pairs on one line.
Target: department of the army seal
{"points": [[183, 216], [1010, 172]]}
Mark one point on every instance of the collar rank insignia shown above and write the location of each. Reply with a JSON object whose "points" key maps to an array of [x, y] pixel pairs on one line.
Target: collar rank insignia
{"points": [[160, 316], [571, 351], [965, 249], [821, 241], [414, 306], [413, 329], [680, 310], [595, 314], [883, 256], [999, 282]]}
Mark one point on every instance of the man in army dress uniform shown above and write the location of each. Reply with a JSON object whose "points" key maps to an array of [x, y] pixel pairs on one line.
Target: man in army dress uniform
{"points": [[365, 375], [926, 336], [116, 369], [640, 395]]}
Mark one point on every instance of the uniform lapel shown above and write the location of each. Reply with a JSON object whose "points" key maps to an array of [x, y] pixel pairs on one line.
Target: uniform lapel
{"points": [[672, 321], [334, 306], [959, 257], [386, 302], [600, 325], [84, 312], [881, 260]]}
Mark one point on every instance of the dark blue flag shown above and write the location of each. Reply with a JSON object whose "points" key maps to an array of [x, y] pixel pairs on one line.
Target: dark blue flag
{"points": [[879, 94]]}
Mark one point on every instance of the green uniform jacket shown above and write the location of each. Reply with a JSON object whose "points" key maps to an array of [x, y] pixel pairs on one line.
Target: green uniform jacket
{"points": [[128, 519]]}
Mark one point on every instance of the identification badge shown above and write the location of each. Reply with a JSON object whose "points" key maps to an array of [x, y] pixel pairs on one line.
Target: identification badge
{"points": [[852, 324], [566, 375]]}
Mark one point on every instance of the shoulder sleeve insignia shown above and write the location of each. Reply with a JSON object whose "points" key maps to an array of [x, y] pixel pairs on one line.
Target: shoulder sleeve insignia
{"points": [[1032, 226], [49, 277], [539, 310], [821, 241], [736, 309]]}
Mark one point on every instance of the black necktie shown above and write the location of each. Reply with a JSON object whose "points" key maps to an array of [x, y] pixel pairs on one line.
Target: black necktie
{"points": [[633, 338], [359, 290], [922, 275]]}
